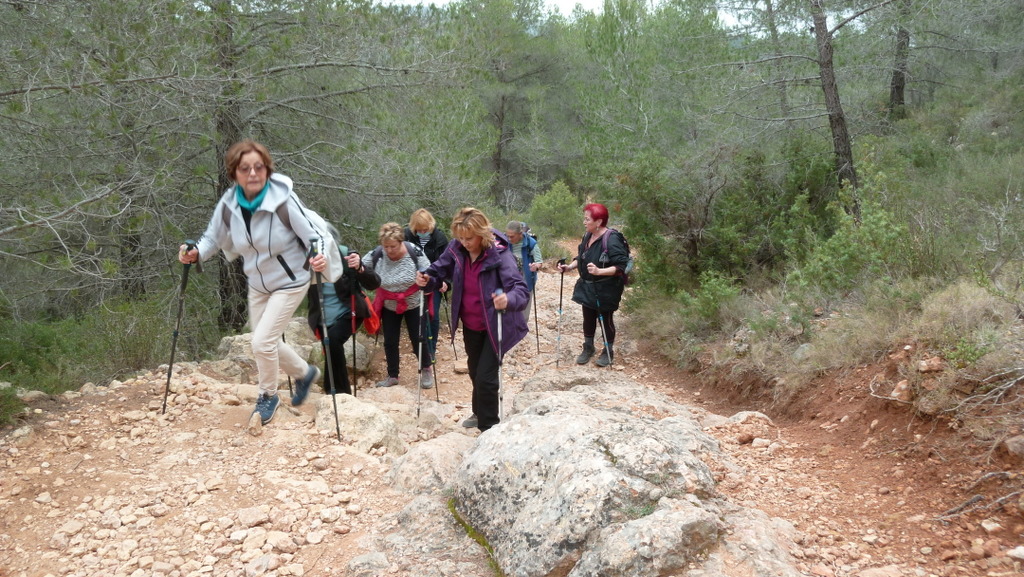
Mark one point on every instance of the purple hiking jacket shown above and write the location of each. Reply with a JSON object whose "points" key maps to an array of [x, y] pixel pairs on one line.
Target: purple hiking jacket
{"points": [[499, 270]]}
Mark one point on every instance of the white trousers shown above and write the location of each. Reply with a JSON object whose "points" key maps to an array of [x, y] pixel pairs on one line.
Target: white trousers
{"points": [[269, 315]]}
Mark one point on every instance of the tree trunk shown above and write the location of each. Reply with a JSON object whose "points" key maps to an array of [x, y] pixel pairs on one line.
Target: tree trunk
{"points": [[499, 162], [900, 67], [232, 285], [841, 145]]}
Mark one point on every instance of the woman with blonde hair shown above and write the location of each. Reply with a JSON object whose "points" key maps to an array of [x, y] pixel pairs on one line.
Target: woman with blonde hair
{"points": [[424, 233], [398, 298], [478, 263]]}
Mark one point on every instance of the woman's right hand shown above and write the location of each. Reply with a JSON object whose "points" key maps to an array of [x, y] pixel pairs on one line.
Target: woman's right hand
{"points": [[318, 263], [422, 278], [562, 267], [188, 256]]}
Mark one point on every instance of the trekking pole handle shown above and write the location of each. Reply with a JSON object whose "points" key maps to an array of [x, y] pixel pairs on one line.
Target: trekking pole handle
{"points": [[499, 291], [189, 244]]}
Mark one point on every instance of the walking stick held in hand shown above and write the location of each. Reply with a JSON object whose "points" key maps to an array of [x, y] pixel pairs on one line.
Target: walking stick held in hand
{"points": [[604, 335], [447, 308], [419, 355], [189, 245], [315, 249], [431, 337], [354, 289], [558, 337], [501, 358], [536, 320], [290, 391]]}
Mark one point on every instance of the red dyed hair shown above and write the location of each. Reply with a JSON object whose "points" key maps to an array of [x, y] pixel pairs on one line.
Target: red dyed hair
{"points": [[597, 212]]}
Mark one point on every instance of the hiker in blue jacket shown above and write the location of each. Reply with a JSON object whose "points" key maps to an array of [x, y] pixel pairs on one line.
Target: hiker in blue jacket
{"points": [[477, 263], [526, 249]]}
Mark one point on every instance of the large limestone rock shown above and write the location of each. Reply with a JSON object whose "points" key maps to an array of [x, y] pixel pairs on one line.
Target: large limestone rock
{"points": [[430, 466], [604, 478], [365, 424]]}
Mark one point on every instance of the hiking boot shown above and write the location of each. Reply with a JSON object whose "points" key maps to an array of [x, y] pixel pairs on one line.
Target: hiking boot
{"points": [[388, 382], [266, 406], [426, 379], [302, 385], [607, 355], [470, 422], [588, 351]]}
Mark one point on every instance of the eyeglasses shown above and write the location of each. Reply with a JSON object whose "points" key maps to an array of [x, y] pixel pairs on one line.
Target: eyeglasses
{"points": [[259, 168]]}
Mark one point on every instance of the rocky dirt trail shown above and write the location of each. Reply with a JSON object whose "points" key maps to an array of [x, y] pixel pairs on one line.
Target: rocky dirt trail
{"points": [[99, 482]]}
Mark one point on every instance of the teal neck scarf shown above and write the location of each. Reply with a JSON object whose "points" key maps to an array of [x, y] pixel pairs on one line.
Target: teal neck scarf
{"points": [[251, 205]]}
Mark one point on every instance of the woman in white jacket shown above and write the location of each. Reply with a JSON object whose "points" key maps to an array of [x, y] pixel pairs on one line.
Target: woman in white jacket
{"points": [[262, 220]]}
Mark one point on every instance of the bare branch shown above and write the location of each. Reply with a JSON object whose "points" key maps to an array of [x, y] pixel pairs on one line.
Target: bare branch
{"points": [[67, 87], [857, 15]]}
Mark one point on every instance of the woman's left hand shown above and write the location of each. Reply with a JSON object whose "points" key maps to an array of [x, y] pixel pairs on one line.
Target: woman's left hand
{"points": [[318, 263], [353, 261], [500, 301], [594, 269]]}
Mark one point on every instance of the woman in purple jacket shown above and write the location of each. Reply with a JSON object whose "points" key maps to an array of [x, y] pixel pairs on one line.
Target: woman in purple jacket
{"points": [[475, 264]]}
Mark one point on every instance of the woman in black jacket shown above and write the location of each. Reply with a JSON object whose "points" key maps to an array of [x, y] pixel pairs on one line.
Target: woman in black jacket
{"points": [[601, 258], [424, 233], [339, 301]]}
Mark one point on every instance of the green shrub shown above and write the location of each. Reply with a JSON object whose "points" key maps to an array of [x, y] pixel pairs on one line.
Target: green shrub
{"points": [[869, 248], [110, 342], [704, 307], [10, 406], [556, 213]]}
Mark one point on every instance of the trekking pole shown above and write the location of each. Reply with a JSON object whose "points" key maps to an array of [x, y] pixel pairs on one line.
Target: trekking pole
{"points": [[314, 245], [419, 356], [558, 337], [536, 320], [354, 289], [290, 392], [431, 337], [501, 357], [189, 245], [604, 335], [448, 312]]}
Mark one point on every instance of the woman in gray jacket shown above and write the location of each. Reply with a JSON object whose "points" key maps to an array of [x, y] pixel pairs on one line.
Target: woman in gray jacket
{"points": [[262, 220]]}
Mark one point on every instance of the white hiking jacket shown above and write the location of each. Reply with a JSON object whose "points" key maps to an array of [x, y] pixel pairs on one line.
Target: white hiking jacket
{"points": [[273, 255]]}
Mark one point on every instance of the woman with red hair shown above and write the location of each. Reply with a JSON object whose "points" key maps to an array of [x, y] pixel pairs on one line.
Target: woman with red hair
{"points": [[601, 262]]}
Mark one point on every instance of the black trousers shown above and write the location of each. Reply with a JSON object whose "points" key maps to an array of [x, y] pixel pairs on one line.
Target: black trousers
{"points": [[336, 372], [483, 372], [391, 326], [590, 318]]}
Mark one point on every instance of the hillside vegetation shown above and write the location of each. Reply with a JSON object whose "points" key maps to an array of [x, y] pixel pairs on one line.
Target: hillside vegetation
{"points": [[808, 188]]}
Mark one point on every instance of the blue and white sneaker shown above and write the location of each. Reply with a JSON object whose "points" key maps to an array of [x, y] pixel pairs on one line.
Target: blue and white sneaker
{"points": [[266, 406], [302, 385]]}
